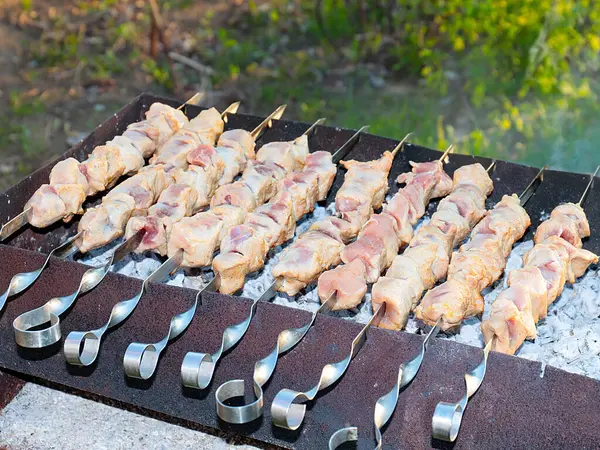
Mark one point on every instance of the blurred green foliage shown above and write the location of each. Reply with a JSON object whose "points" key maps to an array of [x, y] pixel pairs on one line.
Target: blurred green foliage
{"points": [[523, 71], [509, 78]]}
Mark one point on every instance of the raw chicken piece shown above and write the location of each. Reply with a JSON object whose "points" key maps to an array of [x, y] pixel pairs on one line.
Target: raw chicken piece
{"points": [[176, 150], [304, 189], [276, 219], [130, 155], [49, 204], [532, 277], [175, 203], [364, 188], [103, 168], [397, 294], [301, 263], [282, 154], [321, 163], [235, 162], [240, 140], [347, 282], [474, 175], [105, 222], [337, 228], [237, 194], [242, 252], [69, 172], [199, 236], [208, 126], [175, 117], [139, 137], [376, 246], [451, 301]]}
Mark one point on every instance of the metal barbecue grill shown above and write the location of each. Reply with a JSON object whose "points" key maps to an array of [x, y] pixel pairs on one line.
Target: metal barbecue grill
{"points": [[515, 407]]}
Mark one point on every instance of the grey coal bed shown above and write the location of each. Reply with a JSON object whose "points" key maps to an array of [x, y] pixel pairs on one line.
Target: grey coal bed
{"points": [[522, 403]]}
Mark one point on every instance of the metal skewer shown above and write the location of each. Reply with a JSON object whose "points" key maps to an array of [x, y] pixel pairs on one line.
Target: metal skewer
{"points": [[447, 417], [22, 281], [22, 219], [290, 415], [198, 369], [135, 363], [264, 369], [386, 404], [585, 192], [49, 313]]}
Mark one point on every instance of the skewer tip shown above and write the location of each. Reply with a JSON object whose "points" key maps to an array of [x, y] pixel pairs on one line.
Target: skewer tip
{"points": [[491, 166], [191, 100], [314, 126], [400, 146], [588, 187], [444, 157]]}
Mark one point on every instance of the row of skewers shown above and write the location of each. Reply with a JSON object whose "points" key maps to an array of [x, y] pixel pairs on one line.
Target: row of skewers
{"points": [[207, 189]]}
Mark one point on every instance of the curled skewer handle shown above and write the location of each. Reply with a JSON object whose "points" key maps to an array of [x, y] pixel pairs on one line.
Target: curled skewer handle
{"points": [[447, 417], [24, 280], [81, 348], [386, 404], [290, 415], [140, 360], [343, 435], [197, 369], [46, 318], [263, 370]]}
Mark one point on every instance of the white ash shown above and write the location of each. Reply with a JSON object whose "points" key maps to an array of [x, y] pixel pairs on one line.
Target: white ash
{"points": [[569, 338]]}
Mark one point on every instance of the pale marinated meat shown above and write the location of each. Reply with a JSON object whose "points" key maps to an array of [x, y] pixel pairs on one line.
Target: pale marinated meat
{"points": [[382, 236], [245, 248], [130, 155], [50, 204], [477, 264], [105, 222], [69, 172], [347, 282], [427, 258], [556, 258]]}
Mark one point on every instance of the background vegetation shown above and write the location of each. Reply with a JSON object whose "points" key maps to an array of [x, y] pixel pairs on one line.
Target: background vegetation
{"points": [[514, 79]]}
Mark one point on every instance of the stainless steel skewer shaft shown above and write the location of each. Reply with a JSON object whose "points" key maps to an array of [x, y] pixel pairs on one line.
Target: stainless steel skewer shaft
{"points": [[288, 414], [24, 280], [263, 370], [386, 404]]}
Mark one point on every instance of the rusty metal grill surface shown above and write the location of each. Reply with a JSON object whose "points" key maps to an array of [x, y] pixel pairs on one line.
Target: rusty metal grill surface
{"points": [[515, 407]]}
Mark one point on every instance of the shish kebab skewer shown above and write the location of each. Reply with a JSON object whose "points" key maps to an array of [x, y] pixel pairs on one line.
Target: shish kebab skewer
{"points": [[79, 354], [321, 246], [289, 415], [71, 182], [264, 368], [447, 417], [198, 368], [140, 359], [478, 263], [384, 235], [132, 196], [556, 258], [50, 312], [469, 181]]}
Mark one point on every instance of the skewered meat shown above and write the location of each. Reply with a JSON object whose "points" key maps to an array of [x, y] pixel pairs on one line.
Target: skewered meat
{"points": [[132, 197], [198, 236], [382, 236], [364, 188], [270, 223], [50, 203], [193, 190], [427, 257], [556, 258], [122, 155], [69, 171], [476, 266], [245, 247], [347, 282]]}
